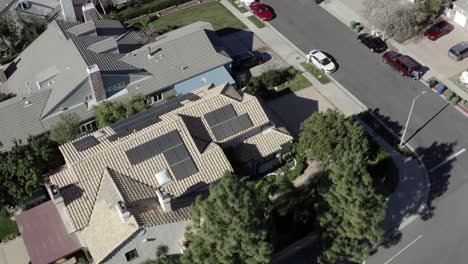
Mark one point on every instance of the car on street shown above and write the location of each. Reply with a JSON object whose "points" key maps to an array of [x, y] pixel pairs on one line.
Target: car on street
{"points": [[374, 43], [261, 10], [404, 64], [321, 61], [438, 30], [459, 51]]}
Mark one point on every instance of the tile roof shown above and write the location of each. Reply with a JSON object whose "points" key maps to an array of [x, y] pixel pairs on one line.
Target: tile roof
{"points": [[45, 236], [263, 144]]}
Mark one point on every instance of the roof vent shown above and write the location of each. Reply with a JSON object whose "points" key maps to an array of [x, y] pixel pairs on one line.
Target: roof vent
{"points": [[99, 134], [123, 211], [54, 192], [27, 104], [163, 178]]}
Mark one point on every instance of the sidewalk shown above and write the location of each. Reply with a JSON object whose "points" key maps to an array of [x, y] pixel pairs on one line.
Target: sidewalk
{"points": [[334, 92]]}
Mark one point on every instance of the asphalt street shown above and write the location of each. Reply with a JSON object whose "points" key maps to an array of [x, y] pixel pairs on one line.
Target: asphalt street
{"points": [[437, 131]]}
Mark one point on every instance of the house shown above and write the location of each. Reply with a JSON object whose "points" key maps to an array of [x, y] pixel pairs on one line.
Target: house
{"points": [[128, 188], [458, 12], [74, 66]]}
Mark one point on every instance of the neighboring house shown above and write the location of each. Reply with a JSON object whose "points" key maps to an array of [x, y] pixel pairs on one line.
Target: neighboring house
{"points": [[128, 188], [458, 12], [73, 66]]}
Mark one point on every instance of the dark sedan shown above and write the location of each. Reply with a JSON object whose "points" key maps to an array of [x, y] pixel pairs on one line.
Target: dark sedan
{"points": [[374, 43], [438, 30]]}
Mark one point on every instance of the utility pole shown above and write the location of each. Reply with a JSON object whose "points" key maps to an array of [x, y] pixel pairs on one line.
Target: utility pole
{"points": [[409, 117]]}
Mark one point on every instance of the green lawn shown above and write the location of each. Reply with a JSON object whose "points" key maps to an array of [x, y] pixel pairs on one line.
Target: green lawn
{"points": [[297, 83], [256, 21], [7, 227], [318, 74], [239, 6], [214, 12]]}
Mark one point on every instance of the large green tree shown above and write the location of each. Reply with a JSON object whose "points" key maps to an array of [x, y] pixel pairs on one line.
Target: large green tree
{"points": [[229, 226], [66, 129], [109, 112], [21, 168], [348, 208]]}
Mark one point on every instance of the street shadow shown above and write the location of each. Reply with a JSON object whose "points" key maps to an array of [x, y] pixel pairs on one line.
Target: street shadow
{"points": [[394, 125], [427, 122]]}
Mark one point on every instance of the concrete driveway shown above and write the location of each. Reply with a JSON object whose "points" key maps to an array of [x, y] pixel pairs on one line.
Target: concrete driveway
{"points": [[14, 252], [433, 54]]}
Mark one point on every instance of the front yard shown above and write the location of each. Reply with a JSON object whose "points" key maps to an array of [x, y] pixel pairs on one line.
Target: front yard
{"points": [[318, 74], [214, 13], [7, 228]]}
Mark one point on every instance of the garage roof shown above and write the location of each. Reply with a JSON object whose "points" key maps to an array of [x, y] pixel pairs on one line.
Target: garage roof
{"points": [[45, 235]]}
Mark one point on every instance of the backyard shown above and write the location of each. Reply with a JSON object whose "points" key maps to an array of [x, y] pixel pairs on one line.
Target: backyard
{"points": [[214, 13]]}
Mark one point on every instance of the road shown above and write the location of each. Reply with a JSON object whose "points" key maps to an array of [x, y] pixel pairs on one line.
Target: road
{"points": [[437, 131]]}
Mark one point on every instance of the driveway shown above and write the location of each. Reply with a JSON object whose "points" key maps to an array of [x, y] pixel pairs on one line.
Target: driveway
{"points": [[296, 107], [14, 252], [434, 53]]}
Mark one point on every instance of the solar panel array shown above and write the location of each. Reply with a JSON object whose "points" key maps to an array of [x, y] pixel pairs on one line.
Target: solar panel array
{"points": [[85, 143], [148, 117], [173, 149], [224, 122]]}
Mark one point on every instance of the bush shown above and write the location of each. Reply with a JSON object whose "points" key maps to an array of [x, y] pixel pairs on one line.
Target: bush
{"points": [[148, 8], [359, 28], [455, 100], [449, 94], [353, 24], [273, 78]]}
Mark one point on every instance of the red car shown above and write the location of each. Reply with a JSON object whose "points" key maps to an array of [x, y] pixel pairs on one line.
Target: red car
{"points": [[404, 64], [438, 30], [261, 11]]}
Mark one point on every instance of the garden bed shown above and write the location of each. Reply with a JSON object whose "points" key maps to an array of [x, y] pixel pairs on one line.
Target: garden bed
{"points": [[256, 21]]}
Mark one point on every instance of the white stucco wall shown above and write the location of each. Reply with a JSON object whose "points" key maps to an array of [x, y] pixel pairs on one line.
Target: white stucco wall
{"points": [[168, 234]]}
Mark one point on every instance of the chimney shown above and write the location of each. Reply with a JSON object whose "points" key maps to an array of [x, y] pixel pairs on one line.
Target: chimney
{"points": [[68, 10], [3, 78], [164, 199], [54, 193], [97, 85], [89, 12], [123, 211]]}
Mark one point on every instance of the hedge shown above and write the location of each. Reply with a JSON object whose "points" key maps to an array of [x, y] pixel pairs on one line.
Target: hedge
{"points": [[146, 9]]}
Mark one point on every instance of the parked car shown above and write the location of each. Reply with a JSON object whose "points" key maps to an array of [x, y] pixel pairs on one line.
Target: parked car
{"points": [[404, 64], [247, 60], [261, 11], [374, 43], [321, 61], [459, 51], [438, 30]]}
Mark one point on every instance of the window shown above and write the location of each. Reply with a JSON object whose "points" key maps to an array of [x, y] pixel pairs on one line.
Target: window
{"points": [[88, 127], [155, 98], [88, 98], [131, 255], [115, 88]]}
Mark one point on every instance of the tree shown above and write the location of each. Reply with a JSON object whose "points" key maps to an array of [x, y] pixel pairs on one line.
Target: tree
{"points": [[21, 168], [348, 208], [110, 112], [349, 211], [395, 18], [434, 6], [9, 36], [325, 136], [66, 129], [229, 226]]}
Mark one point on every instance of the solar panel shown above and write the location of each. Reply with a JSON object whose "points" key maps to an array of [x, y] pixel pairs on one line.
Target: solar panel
{"points": [[220, 115], [85, 143], [173, 149], [184, 169], [148, 117], [231, 127]]}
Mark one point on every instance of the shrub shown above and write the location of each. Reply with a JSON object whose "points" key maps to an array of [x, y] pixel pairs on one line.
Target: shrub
{"points": [[464, 104], [455, 100], [255, 85], [4, 96], [358, 28], [272, 78], [449, 94], [353, 24]]}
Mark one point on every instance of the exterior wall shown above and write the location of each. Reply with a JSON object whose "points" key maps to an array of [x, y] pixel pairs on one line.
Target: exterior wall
{"points": [[168, 234], [217, 76], [112, 80]]}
